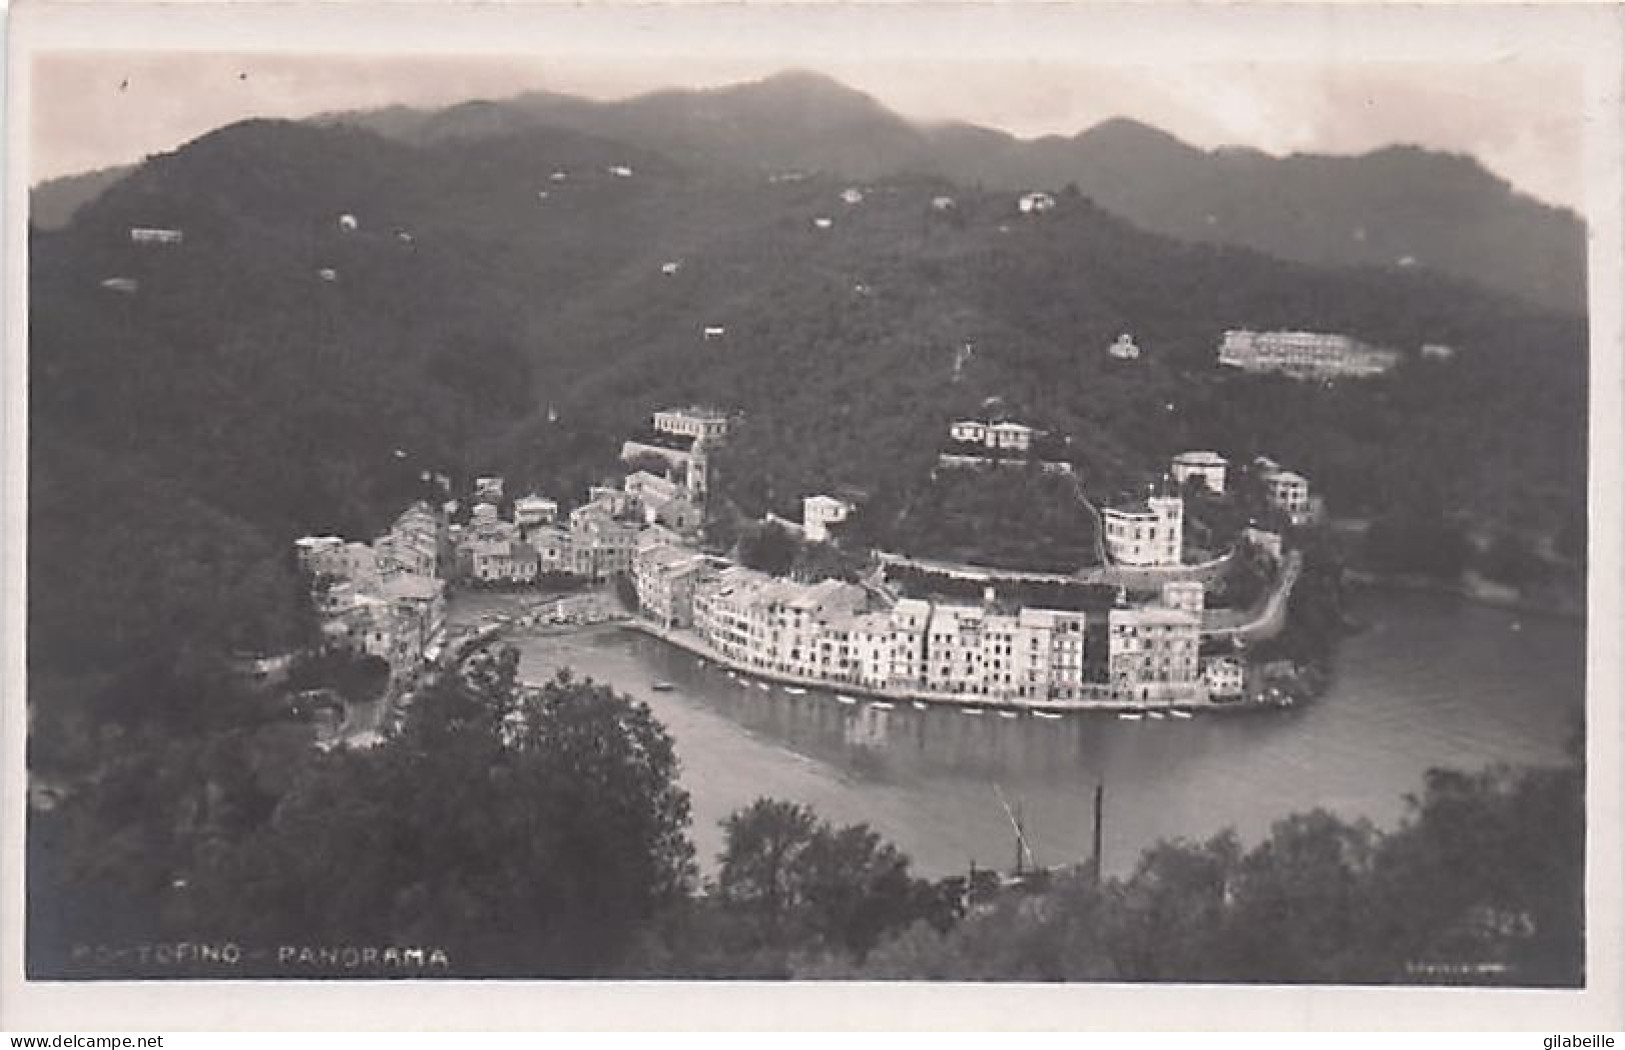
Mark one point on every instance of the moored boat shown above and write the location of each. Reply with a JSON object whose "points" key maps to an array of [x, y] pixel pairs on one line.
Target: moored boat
{"points": [[1130, 716], [662, 687], [1053, 716], [795, 690], [843, 698]]}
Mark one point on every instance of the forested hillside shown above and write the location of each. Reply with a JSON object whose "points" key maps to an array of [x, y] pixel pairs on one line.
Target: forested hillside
{"points": [[286, 369], [1394, 208]]}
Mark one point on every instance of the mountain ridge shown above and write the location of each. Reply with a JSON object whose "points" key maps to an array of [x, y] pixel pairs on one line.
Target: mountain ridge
{"points": [[1396, 206]]}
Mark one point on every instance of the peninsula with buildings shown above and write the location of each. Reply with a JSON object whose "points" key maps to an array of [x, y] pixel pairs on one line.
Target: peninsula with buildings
{"points": [[1152, 626]]}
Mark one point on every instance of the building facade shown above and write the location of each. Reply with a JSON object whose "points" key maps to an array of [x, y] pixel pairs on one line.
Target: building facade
{"points": [[1207, 467], [1146, 534], [692, 422], [1002, 436], [837, 633], [818, 513]]}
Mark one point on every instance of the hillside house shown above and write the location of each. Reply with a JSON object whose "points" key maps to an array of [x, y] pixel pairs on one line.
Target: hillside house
{"points": [[1303, 355], [1146, 534], [1208, 467], [155, 235], [818, 513], [488, 488], [1035, 203], [1003, 436], [1124, 348], [1288, 491], [692, 422]]}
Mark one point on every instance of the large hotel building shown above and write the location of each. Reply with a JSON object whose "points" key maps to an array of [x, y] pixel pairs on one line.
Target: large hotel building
{"points": [[1305, 355]]}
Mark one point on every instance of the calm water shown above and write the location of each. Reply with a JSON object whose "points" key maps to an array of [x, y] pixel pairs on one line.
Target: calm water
{"points": [[1432, 681]]}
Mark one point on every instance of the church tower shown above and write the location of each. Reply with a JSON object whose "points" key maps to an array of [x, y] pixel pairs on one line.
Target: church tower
{"points": [[699, 471]]}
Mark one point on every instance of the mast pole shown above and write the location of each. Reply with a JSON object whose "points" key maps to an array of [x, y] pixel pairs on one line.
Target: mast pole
{"points": [[1100, 806]]}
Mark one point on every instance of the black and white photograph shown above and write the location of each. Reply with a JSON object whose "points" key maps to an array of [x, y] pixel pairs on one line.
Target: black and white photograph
{"points": [[903, 497]]}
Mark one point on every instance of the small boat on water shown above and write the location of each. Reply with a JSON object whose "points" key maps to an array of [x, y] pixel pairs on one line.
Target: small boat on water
{"points": [[880, 705], [1180, 714], [1051, 715], [1008, 714], [733, 674], [970, 710], [765, 687], [662, 687], [1158, 715], [795, 690], [843, 698], [920, 705], [1130, 716]]}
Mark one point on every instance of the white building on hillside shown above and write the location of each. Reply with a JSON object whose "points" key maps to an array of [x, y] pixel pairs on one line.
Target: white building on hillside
{"points": [[1208, 466], [818, 513], [1124, 348], [1288, 491], [693, 422], [1035, 203], [1304, 355], [1146, 534], [1004, 436]]}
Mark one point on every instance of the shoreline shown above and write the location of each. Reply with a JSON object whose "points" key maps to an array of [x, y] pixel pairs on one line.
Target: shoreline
{"points": [[1463, 591], [694, 646]]}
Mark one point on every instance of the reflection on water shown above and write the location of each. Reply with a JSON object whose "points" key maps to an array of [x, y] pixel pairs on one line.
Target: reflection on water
{"points": [[1432, 682]]}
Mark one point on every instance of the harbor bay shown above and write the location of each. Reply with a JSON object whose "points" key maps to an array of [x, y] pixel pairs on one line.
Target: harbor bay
{"points": [[1429, 681]]}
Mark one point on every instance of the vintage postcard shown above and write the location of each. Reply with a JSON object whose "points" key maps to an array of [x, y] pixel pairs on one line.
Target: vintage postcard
{"points": [[686, 516]]}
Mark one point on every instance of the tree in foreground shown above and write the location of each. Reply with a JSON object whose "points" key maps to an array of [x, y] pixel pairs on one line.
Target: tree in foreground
{"points": [[525, 833], [793, 891]]}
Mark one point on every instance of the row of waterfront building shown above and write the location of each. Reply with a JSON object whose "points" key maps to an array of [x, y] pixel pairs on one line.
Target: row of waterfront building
{"points": [[846, 635]]}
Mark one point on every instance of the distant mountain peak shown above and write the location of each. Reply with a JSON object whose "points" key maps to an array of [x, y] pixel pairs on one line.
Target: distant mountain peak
{"points": [[1127, 131]]}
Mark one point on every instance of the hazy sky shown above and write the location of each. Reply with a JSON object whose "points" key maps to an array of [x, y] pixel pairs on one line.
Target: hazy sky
{"points": [[1322, 83]]}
